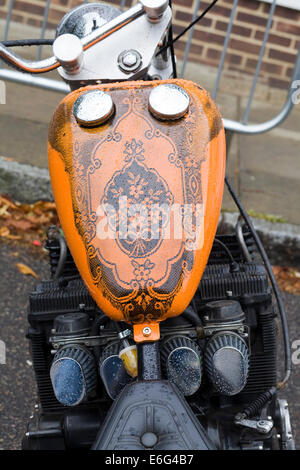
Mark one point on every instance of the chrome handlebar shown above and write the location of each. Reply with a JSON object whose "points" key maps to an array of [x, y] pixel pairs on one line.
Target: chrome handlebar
{"points": [[46, 65]]}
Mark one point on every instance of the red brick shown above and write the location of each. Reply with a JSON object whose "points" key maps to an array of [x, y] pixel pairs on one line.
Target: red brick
{"points": [[287, 13], [55, 15], [75, 3], [216, 9], [60, 2], [282, 56], [288, 28], [251, 63], [274, 69], [277, 83], [184, 3], [213, 54], [236, 29], [195, 49], [253, 19], [17, 18], [221, 25], [29, 8], [51, 25], [289, 72], [183, 16], [187, 17], [244, 46], [208, 37], [176, 29], [273, 38], [34, 22], [234, 58], [249, 4]]}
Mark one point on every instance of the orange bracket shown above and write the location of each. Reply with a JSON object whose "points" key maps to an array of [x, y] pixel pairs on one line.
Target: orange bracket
{"points": [[143, 332]]}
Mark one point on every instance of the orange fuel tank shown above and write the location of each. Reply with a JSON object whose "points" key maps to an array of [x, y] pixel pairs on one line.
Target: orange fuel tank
{"points": [[139, 198]]}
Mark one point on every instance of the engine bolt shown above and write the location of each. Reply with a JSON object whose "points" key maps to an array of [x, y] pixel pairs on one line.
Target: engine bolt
{"points": [[129, 60], [147, 331]]}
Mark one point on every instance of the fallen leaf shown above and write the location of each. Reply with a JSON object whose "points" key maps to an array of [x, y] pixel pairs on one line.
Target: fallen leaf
{"points": [[3, 210], [13, 237], [288, 279], [22, 225], [4, 231], [24, 269], [8, 202]]}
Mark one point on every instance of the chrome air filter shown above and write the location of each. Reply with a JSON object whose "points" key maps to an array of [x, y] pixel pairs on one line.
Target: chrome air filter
{"points": [[112, 371], [73, 375], [182, 363], [227, 363]]}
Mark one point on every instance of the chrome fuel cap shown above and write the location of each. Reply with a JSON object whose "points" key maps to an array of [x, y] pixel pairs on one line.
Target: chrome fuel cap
{"points": [[93, 108], [168, 101]]}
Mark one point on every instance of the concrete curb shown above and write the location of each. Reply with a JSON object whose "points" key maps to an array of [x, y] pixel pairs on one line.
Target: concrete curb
{"points": [[281, 241], [26, 183]]}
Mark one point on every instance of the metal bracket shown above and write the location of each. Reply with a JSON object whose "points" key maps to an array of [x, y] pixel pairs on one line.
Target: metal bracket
{"points": [[101, 61], [262, 426]]}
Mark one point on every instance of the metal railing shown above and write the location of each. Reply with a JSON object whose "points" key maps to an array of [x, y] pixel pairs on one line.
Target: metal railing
{"points": [[232, 126]]}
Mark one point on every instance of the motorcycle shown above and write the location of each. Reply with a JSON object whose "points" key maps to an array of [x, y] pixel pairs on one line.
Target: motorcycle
{"points": [[154, 332]]}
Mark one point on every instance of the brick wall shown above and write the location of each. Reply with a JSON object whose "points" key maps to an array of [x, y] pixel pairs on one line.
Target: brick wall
{"points": [[246, 37]]}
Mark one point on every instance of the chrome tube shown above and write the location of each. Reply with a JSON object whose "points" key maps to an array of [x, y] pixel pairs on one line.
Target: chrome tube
{"points": [[39, 82], [250, 129]]}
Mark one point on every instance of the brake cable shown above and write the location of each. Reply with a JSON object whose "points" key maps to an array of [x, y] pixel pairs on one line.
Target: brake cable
{"points": [[196, 20], [171, 41], [27, 42]]}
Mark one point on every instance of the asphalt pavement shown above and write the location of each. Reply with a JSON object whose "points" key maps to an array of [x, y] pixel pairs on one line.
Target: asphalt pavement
{"points": [[17, 385]]}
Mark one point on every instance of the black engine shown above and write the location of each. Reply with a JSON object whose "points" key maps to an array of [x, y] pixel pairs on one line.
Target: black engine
{"points": [[220, 354]]}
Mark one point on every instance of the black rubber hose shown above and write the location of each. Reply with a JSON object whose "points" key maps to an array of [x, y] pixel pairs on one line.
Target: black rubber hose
{"points": [[63, 253], [256, 406], [27, 42], [170, 40], [241, 241], [191, 315], [274, 284], [234, 267]]}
